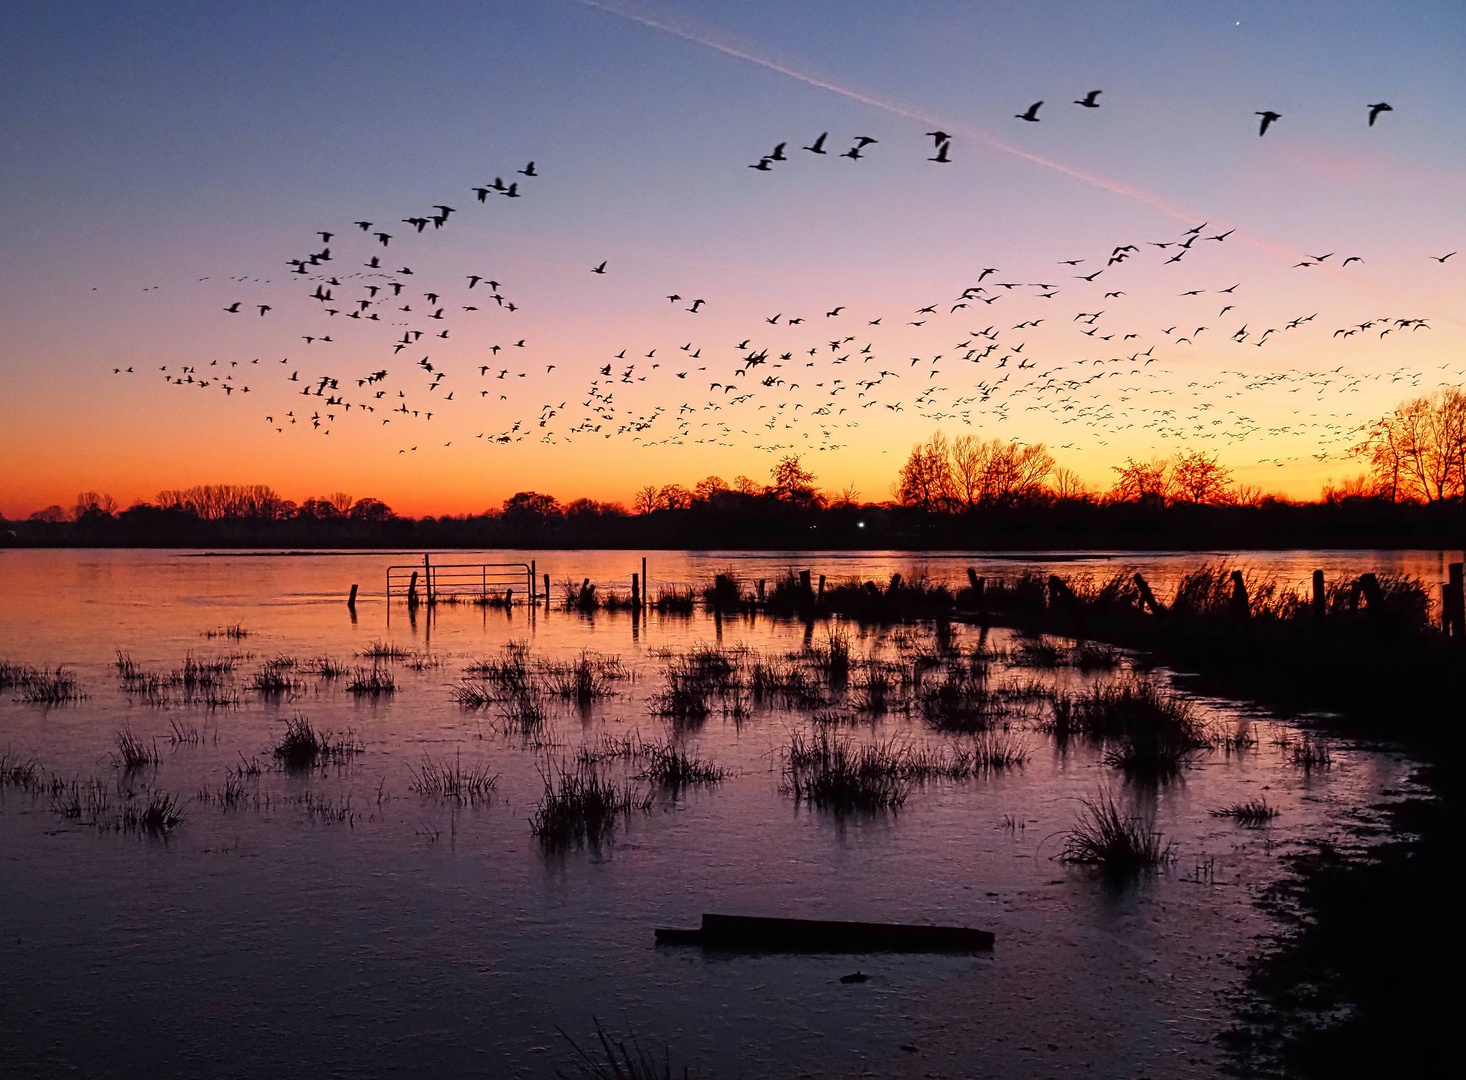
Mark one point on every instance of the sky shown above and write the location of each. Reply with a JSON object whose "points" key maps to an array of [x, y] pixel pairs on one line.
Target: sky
{"points": [[161, 162]]}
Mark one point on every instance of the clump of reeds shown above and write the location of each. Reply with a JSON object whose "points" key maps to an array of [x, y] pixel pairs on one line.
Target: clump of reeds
{"points": [[522, 713], [1118, 843], [670, 767], [1254, 813], [617, 1060], [580, 805], [47, 686], [237, 632], [1309, 754], [302, 746], [1148, 731], [231, 795], [684, 701], [325, 667], [1037, 654], [584, 679], [835, 773], [382, 650], [160, 815], [450, 780], [83, 800], [993, 751], [133, 753], [833, 659], [961, 702], [184, 734], [374, 681], [1092, 656], [18, 772], [672, 600], [274, 678], [473, 695], [422, 662]]}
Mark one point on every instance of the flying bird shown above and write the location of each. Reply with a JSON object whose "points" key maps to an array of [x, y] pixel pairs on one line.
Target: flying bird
{"points": [[1031, 115], [941, 155], [599, 269], [1088, 101], [818, 147], [1376, 109], [1267, 118]]}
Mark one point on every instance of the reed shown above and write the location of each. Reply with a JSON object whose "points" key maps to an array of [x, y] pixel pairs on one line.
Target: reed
{"points": [[622, 1060], [1037, 654], [669, 767], [580, 805], [45, 686], [1254, 813], [382, 650], [324, 667], [834, 773], [184, 734], [1309, 754], [959, 703], [371, 682], [450, 780], [584, 679], [133, 753], [1119, 844], [159, 816], [302, 746], [18, 772], [237, 632], [274, 679]]}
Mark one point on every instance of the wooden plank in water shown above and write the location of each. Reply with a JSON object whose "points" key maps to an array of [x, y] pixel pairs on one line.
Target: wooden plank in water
{"points": [[749, 933]]}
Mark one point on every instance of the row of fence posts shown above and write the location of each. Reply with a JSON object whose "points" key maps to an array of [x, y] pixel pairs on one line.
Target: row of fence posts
{"points": [[725, 593]]}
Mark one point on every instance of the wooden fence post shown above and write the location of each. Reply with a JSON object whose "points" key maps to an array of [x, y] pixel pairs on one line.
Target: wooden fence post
{"points": [[636, 591], [351, 600], [1456, 611], [1320, 599], [1240, 605]]}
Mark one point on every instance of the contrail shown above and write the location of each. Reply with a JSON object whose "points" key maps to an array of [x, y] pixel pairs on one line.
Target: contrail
{"points": [[703, 37], [706, 37]]}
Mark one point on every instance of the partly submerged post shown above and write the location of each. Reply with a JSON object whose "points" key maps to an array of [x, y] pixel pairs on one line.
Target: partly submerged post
{"points": [[1241, 607], [761, 583], [822, 588], [636, 590], [547, 592], [805, 592], [1147, 597], [427, 577], [412, 591], [351, 600], [646, 585], [1320, 600], [1456, 603], [533, 577]]}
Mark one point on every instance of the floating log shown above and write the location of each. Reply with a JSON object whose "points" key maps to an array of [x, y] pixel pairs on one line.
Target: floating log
{"points": [[750, 933]]}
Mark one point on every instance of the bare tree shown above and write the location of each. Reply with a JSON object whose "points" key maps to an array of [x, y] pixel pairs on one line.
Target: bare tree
{"points": [[1197, 477]]}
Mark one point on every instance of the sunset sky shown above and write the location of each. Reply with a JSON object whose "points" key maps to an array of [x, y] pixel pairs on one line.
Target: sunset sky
{"points": [[160, 162]]}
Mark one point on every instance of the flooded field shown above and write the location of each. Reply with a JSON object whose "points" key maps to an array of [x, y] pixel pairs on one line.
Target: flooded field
{"points": [[259, 834]]}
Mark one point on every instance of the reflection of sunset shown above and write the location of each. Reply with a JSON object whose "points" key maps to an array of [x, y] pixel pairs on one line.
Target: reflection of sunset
{"points": [[641, 144]]}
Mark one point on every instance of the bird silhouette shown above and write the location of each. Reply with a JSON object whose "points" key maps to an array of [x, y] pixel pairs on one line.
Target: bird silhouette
{"points": [[941, 155], [818, 146], [1088, 101], [1376, 109], [1267, 119], [599, 269], [1031, 115]]}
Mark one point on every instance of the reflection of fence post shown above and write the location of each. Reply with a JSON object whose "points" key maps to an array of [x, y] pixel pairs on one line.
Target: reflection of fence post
{"points": [[547, 592], [1456, 603], [1320, 601], [646, 585], [533, 577]]}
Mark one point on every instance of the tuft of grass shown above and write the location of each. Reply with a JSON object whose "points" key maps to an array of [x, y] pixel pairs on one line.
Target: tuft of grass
{"points": [[382, 650], [833, 773], [522, 714], [237, 632], [1037, 654], [44, 686], [584, 679], [1309, 754], [1092, 656], [616, 1060], [1119, 844], [1254, 813], [961, 702], [184, 734], [274, 678], [159, 816], [450, 780], [324, 667], [579, 805], [133, 753], [302, 746], [371, 682], [675, 769], [18, 772]]}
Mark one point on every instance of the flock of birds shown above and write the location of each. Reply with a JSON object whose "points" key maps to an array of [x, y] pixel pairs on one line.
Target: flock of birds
{"points": [[793, 381]]}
